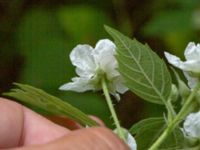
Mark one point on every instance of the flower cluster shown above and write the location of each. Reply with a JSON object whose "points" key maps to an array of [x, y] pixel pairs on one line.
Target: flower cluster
{"points": [[93, 64], [190, 67], [191, 70]]}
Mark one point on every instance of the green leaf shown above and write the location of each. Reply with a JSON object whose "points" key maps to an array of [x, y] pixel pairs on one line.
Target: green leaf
{"points": [[144, 72], [44, 101], [148, 130]]}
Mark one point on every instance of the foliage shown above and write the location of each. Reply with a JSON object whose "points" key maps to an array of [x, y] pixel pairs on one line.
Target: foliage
{"points": [[37, 36], [50, 104], [47, 46], [148, 130], [144, 72]]}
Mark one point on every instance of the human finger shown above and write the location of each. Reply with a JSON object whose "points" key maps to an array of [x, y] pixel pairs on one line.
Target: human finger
{"points": [[21, 126], [96, 138]]}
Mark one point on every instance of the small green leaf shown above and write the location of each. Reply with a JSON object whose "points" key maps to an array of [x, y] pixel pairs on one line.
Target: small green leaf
{"points": [[174, 94], [148, 130], [51, 104], [144, 72]]}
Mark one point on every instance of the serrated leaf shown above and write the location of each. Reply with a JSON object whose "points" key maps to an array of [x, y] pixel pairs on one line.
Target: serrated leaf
{"points": [[51, 104], [148, 130], [144, 72]]}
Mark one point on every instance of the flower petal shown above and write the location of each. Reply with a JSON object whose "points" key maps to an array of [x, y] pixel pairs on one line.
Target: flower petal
{"points": [[104, 44], [117, 86], [192, 51], [78, 85], [129, 139], [131, 142], [93, 64], [191, 125], [116, 95], [190, 65], [118, 83], [104, 57], [81, 57], [192, 81], [174, 60]]}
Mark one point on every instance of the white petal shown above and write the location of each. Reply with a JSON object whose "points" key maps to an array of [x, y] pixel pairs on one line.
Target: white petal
{"points": [[192, 125], [78, 85], [192, 51], [192, 65], [129, 139], [116, 95], [174, 60], [192, 81], [105, 44], [131, 142], [104, 57], [119, 85], [81, 57]]}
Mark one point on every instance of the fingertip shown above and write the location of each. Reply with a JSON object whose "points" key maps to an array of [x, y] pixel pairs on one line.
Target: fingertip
{"points": [[98, 121], [97, 138]]}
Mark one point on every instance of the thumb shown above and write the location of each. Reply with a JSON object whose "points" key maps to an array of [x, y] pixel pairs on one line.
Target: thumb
{"points": [[96, 138]]}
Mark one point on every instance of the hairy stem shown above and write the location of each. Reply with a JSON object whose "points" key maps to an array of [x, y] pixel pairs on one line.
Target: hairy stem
{"points": [[112, 110], [176, 120]]}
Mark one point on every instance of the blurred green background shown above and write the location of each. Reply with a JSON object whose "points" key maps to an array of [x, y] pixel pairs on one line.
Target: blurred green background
{"points": [[36, 38]]}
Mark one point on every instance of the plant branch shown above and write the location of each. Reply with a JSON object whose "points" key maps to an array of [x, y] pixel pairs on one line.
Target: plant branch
{"points": [[171, 126], [112, 110]]}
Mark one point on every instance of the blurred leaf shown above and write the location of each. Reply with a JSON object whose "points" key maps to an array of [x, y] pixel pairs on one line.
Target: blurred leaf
{"points": [[46, 50], [51, 104], [42, 43], [168, 22], [187, 4], [144, 72], [174, 26], [148, 130], [83, 23]]}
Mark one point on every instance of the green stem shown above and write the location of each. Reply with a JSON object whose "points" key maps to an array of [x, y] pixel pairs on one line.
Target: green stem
{"points": [[170, 111], [183, 112], [112, 110]]}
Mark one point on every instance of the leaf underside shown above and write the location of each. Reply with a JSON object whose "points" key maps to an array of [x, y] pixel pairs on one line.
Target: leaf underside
{"points": [[32, 96], [144, 72], [148, 130]]}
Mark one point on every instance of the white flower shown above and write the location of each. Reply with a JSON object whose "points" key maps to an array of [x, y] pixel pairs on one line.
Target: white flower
{"points": [[129, 139], [92, 64], [131, 142], [191, 126], [190, 67]]}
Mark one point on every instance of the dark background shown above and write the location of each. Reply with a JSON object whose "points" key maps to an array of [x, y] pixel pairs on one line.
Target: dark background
{"points": [[36, 37]]}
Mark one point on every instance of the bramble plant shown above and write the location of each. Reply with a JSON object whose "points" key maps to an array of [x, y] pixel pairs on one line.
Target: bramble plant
{"points": [[115, 67]]}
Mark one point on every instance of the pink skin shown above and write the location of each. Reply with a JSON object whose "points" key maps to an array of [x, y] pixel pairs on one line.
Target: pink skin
{"points": [[23, 129]]}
